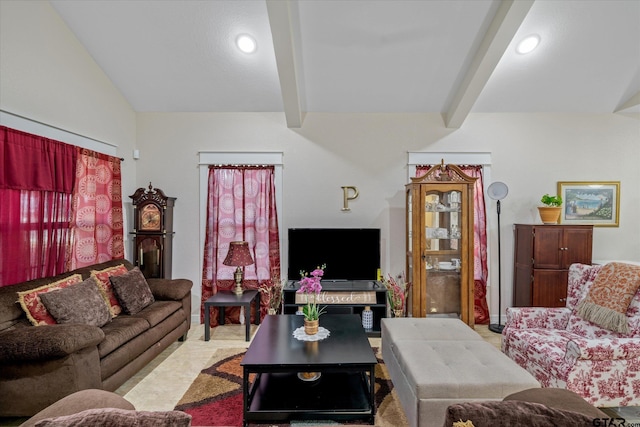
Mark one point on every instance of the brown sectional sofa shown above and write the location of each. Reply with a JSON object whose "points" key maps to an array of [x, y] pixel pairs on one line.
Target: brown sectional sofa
{"points": [[39, 365]]}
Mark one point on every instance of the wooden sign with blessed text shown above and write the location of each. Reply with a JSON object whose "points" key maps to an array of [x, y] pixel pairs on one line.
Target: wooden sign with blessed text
{"points": [[329, 297]]}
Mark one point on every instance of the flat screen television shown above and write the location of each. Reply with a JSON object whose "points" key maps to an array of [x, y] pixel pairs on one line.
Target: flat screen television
{"points": [[349, 253]]}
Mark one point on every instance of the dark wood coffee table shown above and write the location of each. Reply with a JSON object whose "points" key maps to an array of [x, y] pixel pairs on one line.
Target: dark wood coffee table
{"points": [[345, 360]]}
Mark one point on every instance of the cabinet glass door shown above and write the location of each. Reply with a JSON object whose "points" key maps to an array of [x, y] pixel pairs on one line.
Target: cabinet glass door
{"points": [[150, 256], [442, 252]]}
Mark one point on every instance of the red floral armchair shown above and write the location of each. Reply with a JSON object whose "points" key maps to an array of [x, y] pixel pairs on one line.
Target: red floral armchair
{"points": [[560, 349]]}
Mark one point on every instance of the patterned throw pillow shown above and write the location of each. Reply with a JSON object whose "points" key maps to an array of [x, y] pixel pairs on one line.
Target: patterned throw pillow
{"points": [[32, 304], [608, 300], [106, 288], [78, 303], [132, 291]]}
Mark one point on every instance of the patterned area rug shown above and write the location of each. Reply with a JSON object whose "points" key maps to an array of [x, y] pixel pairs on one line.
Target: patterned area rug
{"points": [[215, 397]]}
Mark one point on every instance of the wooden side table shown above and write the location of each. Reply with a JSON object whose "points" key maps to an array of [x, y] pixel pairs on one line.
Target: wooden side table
{"points": [[228, 299]]}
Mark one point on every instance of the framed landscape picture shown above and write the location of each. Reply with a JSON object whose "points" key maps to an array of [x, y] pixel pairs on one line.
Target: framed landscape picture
{"points": [[593, 203]]}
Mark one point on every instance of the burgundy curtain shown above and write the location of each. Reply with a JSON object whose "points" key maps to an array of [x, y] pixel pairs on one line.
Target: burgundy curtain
{"points": [[36, 184], [480, 269], [97, 223], [241, 205]]}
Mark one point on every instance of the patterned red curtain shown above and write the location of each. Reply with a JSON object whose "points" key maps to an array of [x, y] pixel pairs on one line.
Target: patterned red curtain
{"points": [[36, 183], [241, 205], [97, 210], [480, 269]]}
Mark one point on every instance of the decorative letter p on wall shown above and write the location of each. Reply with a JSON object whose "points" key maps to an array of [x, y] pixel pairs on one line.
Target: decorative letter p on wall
{"points": [[347, 197]]}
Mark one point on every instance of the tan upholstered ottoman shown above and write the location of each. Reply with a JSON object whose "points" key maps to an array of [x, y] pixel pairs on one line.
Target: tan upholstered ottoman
{"points": [[429, 328], [445, 365]]}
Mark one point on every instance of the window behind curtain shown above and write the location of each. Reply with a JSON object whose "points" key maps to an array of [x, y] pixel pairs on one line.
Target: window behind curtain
{"points": [[38, 179], [36, 185], [241, 205]]}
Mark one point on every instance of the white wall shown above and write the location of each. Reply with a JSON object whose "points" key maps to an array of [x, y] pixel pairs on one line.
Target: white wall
{"points": [[530, 152], [46, 74]]}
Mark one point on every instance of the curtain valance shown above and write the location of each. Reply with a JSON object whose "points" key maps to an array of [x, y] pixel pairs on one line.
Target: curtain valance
{"points": [[34, 163]]}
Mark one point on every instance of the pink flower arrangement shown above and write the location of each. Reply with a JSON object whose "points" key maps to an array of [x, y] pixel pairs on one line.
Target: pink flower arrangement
{"points": [[311, 287]]}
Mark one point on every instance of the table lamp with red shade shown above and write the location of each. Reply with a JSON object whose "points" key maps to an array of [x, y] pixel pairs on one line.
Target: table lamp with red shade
{"points": [[238, 256]]}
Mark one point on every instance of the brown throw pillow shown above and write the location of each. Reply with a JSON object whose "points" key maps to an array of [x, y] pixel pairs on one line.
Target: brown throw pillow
{"points": [[513, 413], [114, 417], [132, 291], [78, 303]]}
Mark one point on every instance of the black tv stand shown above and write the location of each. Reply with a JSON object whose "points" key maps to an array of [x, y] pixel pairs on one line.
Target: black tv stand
{"points": [[379, 308]]}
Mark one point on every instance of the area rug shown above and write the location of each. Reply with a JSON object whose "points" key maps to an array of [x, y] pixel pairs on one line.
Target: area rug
{"points": [[215, 396]]}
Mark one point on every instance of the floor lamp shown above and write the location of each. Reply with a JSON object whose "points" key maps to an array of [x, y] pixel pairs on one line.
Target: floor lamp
{"points": [[498, 191]]}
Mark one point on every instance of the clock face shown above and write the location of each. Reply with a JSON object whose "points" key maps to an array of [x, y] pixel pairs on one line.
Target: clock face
{"points": [[150, 218]]}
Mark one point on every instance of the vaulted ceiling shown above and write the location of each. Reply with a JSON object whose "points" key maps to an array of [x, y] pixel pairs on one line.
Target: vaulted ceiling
{"points": [[446, 56]]}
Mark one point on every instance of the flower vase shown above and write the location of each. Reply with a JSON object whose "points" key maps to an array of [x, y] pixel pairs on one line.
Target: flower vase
{"points": [[367, 318], [311, 326], [398, 313]]}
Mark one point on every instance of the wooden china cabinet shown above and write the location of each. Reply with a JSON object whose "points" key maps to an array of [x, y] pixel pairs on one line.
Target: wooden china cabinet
{"points": [[440, 243], [153, 232], [543, 254]]}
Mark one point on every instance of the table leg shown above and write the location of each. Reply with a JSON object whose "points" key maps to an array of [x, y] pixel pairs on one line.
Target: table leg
{"points": [[221, 315], [372, 393], [247, 321], [207, 332], [258, 309], [245, 396]]}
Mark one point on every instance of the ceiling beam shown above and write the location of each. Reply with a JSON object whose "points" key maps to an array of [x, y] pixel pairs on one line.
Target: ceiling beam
{"points": [[632, 102], [503, 28], [283, 28]]}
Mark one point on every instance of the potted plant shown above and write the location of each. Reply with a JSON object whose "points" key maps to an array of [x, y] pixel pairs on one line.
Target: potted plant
{"points": [[550, 212], [310, 286]]}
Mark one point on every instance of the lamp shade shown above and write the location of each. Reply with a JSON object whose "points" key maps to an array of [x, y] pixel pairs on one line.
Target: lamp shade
{"points": [[238, 254], [498, 190]]}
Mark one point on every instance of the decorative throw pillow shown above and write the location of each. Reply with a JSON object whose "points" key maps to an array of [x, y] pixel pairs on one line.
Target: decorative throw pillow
{"points": [[32, 304], [78, 303], [104, 283], [115, 417], [132, 291], [608, 299]]}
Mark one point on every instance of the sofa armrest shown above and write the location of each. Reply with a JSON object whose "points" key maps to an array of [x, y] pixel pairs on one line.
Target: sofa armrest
{"points": [[170, 289], [603, 349], [537, 317], [47, 342]]}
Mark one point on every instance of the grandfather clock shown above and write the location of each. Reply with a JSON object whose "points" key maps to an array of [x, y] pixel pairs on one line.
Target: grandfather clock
{"points": [[153, 232]]}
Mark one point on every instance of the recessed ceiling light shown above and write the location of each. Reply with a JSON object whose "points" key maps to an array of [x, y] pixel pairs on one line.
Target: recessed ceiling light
{"points": [[246, 43], [528, 44]]}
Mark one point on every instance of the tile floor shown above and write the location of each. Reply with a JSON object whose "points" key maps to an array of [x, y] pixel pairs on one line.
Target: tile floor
{"points": [[161, 384]]}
